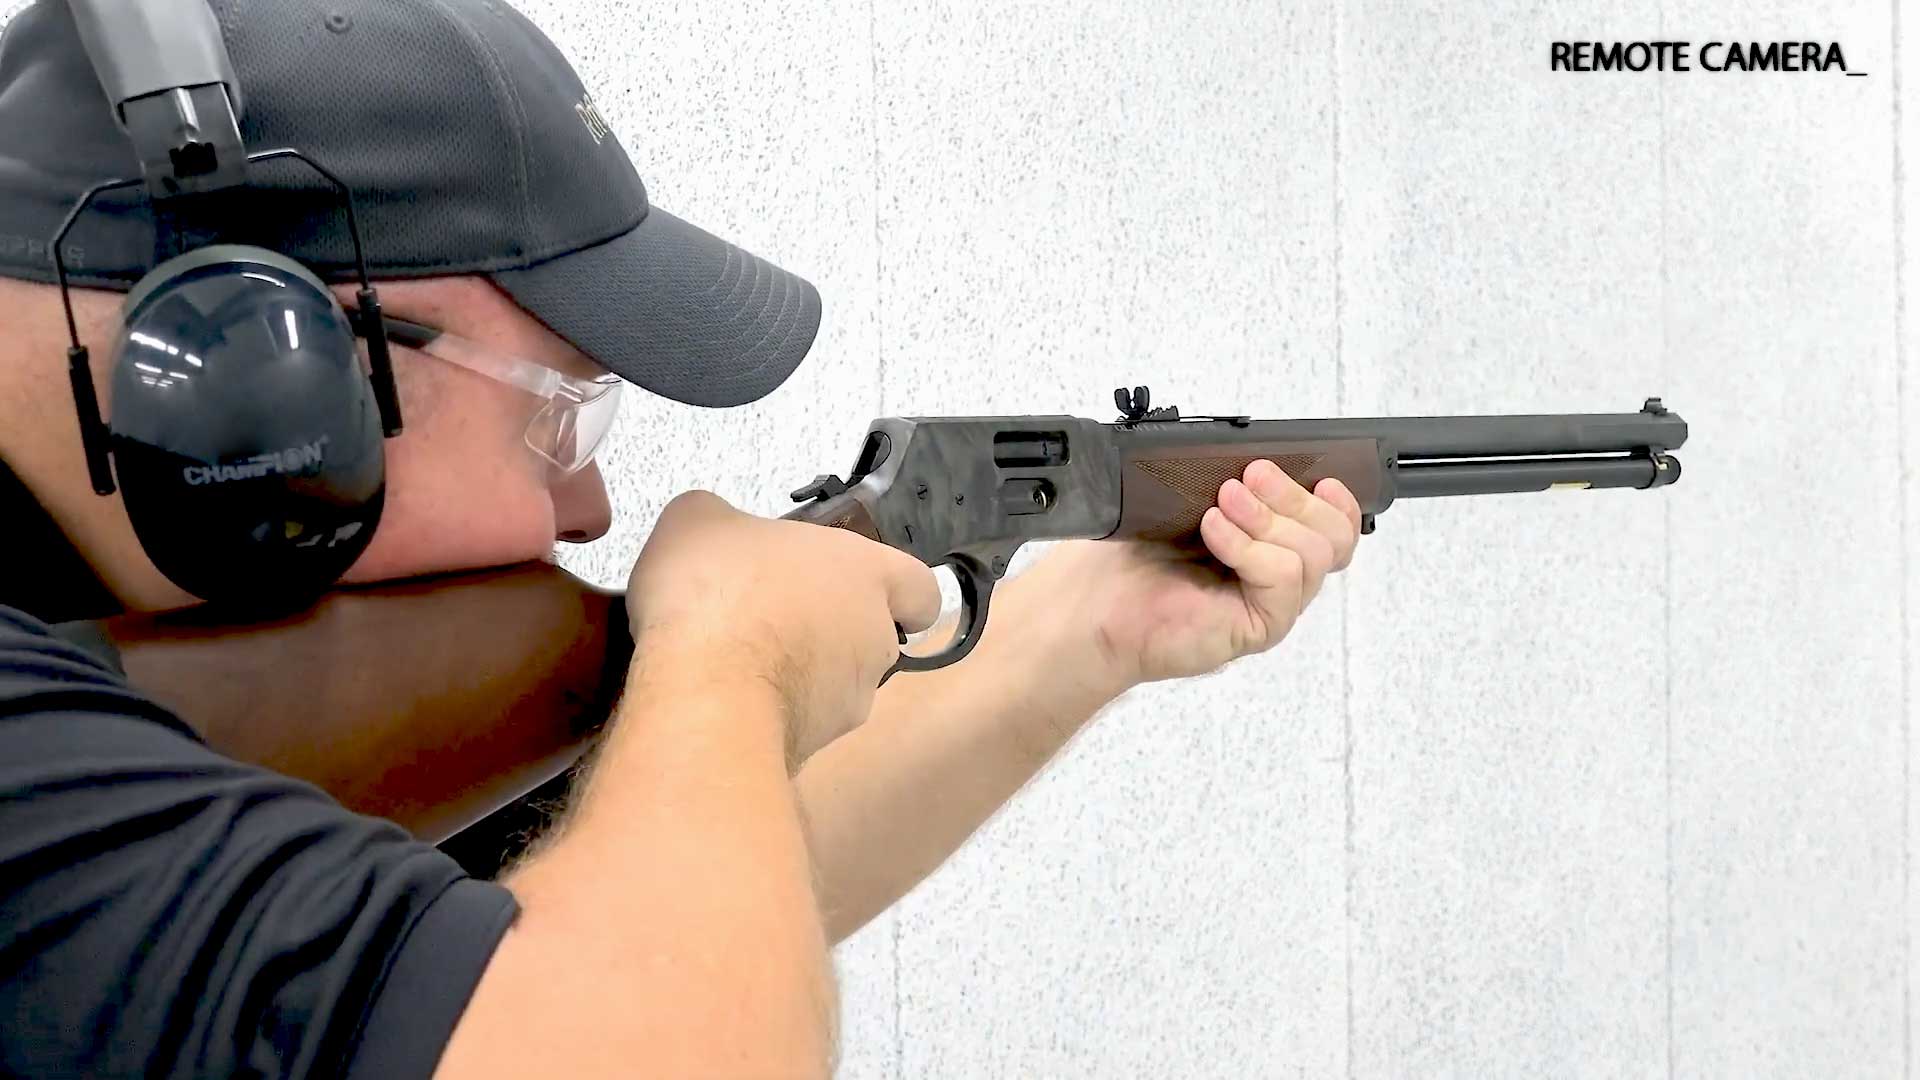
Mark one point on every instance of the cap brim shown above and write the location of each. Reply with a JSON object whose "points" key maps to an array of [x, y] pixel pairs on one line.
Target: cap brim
{"points": [[677, 310]]}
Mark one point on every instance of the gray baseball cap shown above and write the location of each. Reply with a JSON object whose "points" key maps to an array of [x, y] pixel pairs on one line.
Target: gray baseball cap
{"points": [[471, 147]]}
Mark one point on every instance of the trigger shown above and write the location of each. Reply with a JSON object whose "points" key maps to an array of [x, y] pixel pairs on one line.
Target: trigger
{"points": [[902, 631]]}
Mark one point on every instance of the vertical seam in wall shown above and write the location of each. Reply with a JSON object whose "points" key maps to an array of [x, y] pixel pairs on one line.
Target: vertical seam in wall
{"points": [[879, 282], [1906, 560], [880, 409], [1666, 547], [1346, 646], [899, 1037]]}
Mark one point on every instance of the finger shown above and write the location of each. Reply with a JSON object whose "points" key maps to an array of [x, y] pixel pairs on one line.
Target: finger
{"points": [[1260, 523], [1276, 574], [1287, 498], [1336, 494]]}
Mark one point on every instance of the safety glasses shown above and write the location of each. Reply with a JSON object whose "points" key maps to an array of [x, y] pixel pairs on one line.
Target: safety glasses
{"points": [[579, 411]]}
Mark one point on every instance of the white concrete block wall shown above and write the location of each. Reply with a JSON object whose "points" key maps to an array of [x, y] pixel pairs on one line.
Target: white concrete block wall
{"points": [[1500, 245], [1788, 738], [1608, 784], [1605, 784], [1906, 66]]}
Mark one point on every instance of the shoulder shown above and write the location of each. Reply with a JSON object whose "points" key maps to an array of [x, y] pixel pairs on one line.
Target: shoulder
{"points": [[44, 672], [168, 910]]}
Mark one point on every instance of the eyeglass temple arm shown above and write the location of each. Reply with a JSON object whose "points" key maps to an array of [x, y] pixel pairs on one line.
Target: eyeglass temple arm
{"points": [[409, 335]]}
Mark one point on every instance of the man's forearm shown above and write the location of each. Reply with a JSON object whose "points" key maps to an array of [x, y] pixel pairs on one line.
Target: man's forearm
{"points": [[669, 926], [943, 750]]}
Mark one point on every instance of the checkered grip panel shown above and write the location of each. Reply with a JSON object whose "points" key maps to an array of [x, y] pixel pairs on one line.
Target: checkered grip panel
{"points": [[1197, 481]]}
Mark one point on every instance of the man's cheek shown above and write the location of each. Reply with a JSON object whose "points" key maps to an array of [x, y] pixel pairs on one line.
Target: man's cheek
{"points": [[466, 535], [452, 507]]}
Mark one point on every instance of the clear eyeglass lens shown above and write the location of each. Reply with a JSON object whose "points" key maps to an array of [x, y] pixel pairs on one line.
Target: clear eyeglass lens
{"points": [[570, 429]]}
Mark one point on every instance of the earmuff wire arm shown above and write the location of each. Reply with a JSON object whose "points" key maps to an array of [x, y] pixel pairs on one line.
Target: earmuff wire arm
{"points": [[380, 359], [93, 430], [339, 186], [60, 240]]}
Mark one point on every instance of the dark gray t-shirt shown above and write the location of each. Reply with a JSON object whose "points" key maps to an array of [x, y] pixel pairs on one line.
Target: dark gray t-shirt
{"points": [[166, 911]]}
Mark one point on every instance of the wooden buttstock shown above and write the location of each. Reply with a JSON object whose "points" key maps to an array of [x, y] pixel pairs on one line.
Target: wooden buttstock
{"points": [[431, 703]]}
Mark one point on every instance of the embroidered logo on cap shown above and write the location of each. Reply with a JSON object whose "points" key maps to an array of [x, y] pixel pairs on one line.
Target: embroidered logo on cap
{"points": [[589, 114]]}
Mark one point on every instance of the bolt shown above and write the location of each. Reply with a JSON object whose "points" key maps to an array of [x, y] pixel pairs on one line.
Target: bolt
{"points": [[920, 491], [339, 22], [960, 500], [999, 565]]}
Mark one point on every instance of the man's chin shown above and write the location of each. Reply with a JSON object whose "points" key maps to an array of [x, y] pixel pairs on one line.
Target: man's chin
{"points": [[404, 551], [373, 572]]}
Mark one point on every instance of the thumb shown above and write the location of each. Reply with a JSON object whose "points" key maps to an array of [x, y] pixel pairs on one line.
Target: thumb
{"points": [[688, 510], [913, 593], [696, 504]]}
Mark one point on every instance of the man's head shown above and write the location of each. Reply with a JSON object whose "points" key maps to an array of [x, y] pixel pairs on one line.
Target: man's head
{"points": [[463, 487], [495, 203]]}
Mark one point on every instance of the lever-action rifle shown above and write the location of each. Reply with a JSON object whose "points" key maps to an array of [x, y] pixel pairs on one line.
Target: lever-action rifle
{"points": [[966, 492], [436, 702]]}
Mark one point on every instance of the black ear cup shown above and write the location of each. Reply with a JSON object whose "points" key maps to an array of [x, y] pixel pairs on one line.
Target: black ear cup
{"points": [[244, 431]]}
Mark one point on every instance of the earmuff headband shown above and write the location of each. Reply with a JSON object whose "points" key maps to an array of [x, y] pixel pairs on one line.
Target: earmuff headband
{"points": [[172, 88]]}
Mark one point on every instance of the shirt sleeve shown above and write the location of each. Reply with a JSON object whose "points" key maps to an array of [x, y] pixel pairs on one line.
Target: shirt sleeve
{"points": [[166, 911]]}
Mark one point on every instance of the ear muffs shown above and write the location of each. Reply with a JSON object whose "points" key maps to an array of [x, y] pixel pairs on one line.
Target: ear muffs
{"points": [[245, 436], [244, 432]]}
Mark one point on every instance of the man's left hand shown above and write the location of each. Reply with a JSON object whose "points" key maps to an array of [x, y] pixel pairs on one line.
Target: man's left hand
{"points": [[1152, 611], [888, 803]]}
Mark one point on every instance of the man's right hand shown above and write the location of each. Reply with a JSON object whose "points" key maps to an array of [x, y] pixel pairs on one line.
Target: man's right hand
{"points": [[669, 926], [809, 610]]}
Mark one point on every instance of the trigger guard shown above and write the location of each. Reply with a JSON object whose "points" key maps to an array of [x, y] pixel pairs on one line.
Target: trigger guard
{"points": [[976, 592]]}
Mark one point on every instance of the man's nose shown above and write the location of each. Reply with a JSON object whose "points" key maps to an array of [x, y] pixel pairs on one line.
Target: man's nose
{"points": [[581, 512]]}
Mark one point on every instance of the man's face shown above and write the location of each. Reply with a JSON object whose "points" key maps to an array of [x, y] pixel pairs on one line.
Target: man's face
{"points": [[464, 490]]}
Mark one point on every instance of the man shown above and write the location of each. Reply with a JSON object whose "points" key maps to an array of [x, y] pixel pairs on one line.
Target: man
{"points": [[171, 909]]}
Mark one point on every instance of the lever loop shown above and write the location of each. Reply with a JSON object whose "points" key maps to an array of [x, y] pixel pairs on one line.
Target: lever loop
{"points": [[976, 593]]}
